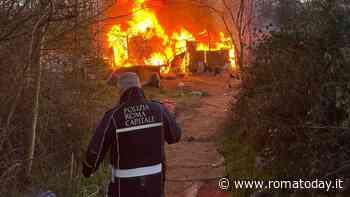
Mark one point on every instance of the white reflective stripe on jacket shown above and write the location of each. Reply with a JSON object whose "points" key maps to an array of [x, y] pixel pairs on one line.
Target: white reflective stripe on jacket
{"points": [[136, 172]]}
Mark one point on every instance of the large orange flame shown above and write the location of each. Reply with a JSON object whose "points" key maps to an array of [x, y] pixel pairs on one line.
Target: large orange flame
{"points": [[144, 24]]}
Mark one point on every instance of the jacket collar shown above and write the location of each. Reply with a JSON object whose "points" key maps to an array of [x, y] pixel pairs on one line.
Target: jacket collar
{"points": [[132, 95]]}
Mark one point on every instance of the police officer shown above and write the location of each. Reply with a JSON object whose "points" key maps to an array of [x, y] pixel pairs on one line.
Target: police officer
{"points": [[134, 133]]}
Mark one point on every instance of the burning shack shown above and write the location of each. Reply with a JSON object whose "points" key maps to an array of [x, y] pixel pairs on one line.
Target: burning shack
{"points": [[202, 60], [143, 43]]}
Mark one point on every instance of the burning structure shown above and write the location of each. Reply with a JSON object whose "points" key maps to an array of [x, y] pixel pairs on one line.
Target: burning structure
{"points": [[141, 40]]}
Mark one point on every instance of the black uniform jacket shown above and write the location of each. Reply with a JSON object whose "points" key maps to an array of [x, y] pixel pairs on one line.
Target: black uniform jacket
{"points": [[133, 133]]}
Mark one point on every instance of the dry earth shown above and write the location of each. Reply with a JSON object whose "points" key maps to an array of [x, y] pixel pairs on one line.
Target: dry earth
{"points": [[194, 164]]}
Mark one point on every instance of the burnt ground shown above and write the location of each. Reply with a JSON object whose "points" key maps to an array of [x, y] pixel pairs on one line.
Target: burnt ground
{"points": [[194, 163]]}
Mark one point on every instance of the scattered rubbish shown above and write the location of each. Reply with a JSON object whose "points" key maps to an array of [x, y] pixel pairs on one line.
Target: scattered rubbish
{"points": [[170, 104], [47, 194], [221, 162], [40, 193], [193, 190], [181, 86], [169, 76], [190, 139], [197, 93], [153, 81], [92, 76]]}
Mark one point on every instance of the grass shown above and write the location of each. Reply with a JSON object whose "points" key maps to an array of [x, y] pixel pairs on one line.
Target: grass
{"points": [[184, 101], [240, 159]]}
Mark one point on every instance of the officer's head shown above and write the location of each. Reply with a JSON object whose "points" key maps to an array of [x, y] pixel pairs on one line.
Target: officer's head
{"points": [[128, 80]]}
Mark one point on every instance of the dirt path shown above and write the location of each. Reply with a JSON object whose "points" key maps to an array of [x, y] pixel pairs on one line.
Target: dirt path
{"points": [[195, 157]]}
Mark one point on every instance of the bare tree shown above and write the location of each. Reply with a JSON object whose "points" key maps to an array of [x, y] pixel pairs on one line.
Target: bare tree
{"points": [[29, 31], [36, 43], [237, 17]]}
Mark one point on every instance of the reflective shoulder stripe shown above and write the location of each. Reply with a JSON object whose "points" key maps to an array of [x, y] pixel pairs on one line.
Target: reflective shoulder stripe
{"points": [[136, 172], [158, 124]]}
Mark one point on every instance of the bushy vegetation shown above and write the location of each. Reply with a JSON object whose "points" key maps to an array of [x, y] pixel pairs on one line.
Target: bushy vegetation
{"points": [[291, 118], [48, 48]]}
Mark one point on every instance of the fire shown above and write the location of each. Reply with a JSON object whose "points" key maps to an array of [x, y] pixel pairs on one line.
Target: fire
{"points": [[181, 39], [202, 47], [145, 22], [224, 44], [156, 59], [117, 41], [154, 47]]}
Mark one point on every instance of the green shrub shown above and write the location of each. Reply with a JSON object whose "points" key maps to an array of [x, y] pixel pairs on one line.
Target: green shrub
{"points": [[291, 119]]}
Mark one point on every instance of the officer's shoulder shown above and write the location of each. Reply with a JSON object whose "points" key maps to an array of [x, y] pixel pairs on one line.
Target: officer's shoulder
{"points": [[113, 110], [156, 103]]}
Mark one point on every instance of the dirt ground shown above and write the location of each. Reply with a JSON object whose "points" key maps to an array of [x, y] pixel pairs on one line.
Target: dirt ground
{"points": [[194, 164]]}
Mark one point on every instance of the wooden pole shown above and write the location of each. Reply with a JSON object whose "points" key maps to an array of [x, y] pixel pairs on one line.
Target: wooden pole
{"points": [[37, 38]]}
